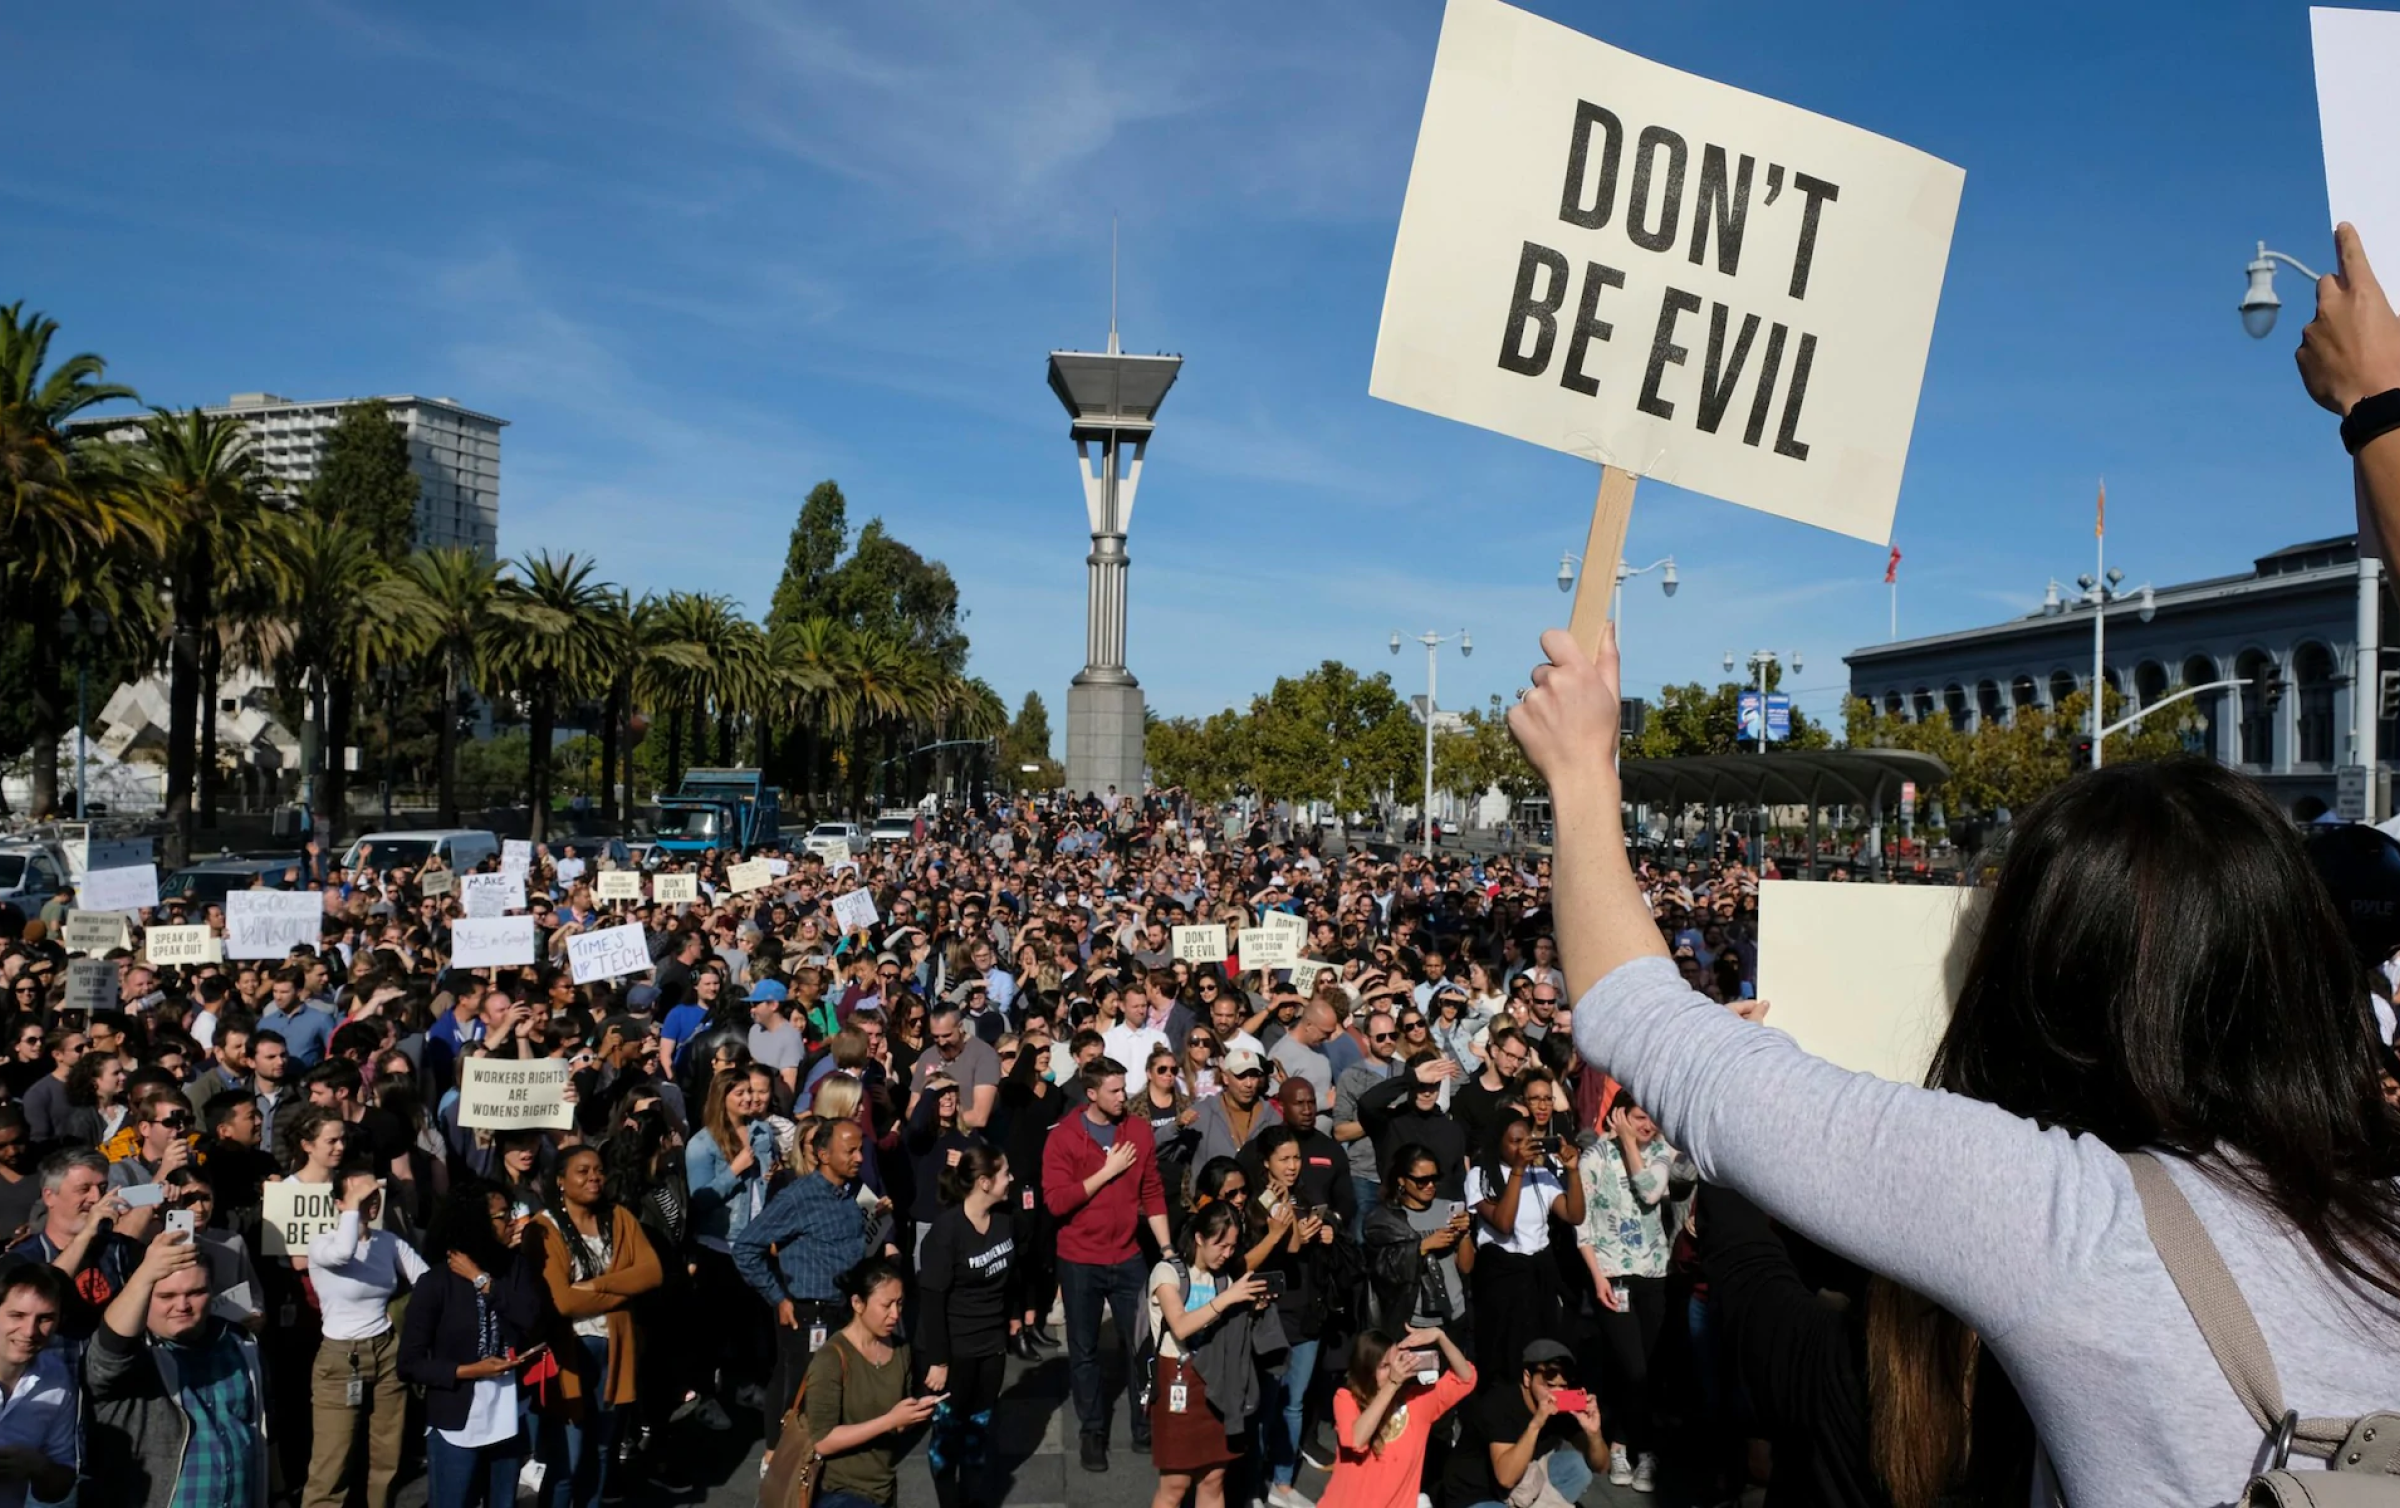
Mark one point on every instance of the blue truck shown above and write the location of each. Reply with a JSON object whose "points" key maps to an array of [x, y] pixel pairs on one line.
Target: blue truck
{"points": [[734, 811]]}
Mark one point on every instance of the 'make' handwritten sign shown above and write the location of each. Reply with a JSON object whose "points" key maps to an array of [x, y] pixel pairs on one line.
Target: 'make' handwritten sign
{"points": [[1672, 276]]}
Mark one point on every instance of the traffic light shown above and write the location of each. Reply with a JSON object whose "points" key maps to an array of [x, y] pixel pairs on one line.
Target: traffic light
{"points": [[1636, 717], [2389, 700], [2081, 759]]}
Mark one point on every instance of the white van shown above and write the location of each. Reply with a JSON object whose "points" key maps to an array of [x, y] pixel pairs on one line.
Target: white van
{"points": [[459, 848]]}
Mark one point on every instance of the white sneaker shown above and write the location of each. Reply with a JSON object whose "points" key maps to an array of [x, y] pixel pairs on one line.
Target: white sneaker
{"points": [[1620, 1470], [1282, 1496], [1645, 1469], [1424, 1500]]}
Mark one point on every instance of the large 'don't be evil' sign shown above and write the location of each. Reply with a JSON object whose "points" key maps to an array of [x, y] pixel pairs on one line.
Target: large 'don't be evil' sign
{"points": [[1633, 264]]}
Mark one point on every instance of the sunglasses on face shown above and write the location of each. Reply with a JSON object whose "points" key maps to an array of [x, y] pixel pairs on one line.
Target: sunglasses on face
{"points": [[1419, 1178]]}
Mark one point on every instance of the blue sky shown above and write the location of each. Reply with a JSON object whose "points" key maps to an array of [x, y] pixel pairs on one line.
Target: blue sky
{"points": [[703, 255]]}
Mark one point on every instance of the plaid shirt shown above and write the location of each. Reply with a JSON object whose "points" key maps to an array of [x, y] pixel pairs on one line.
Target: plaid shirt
{"points": [[819, 1232], [221, 1459]]}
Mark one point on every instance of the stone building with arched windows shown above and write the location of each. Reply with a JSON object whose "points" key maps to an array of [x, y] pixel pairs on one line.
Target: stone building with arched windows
{"points": [[2292, 620]]}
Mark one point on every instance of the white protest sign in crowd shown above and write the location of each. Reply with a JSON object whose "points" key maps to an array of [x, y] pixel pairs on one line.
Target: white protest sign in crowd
{"points": [[270, 923], [675, 889], [2355, 53], [1268, 948], [1200, 944], [164, 946], [292, 1214], [489, 895], [609, 953], [491, 942], [92, 984], [619, 885], [436, 882], [741, 879], [133, 888], [94, 931], [508, 1094], [516, 855], [1639, 266], [854, 910]]}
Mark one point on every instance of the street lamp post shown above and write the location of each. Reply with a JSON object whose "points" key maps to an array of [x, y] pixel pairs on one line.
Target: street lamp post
{"points": [[1432, 642], [1760, 662], [2100, 592], [2259, 306], [1570, 563], [83, 627]]}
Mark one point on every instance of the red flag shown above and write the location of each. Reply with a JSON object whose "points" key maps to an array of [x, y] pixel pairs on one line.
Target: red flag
{"points": [[2100, 518], [1891, 571]]}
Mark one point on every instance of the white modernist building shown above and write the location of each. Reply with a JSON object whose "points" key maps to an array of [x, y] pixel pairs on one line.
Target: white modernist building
{"points": [[454, 450]]}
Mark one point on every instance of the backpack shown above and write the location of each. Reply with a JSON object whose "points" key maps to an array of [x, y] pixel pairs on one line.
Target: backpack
{"points": [[2362, 1455], [791, 1479]]}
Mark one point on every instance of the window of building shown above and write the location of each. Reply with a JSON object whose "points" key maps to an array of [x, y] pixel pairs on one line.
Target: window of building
{"points": [[1924, 701], [2149, 682], [1954, 698], [2023, 693], [1989, 704], [2256, 668], [2062, 686], [2312, 674]]}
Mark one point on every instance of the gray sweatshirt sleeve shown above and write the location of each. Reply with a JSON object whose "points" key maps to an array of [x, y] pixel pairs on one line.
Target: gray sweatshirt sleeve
{"points": [[1969, 1205]]}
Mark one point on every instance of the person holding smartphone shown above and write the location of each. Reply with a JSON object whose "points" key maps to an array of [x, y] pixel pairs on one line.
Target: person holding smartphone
{"points": [[355, 1386], [1385, 1411], [1513, 1191], [1543, 1426], [1625, 1240], [472, 1327]]}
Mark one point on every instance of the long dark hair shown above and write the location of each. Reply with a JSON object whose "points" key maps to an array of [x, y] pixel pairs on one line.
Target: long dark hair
{"points": [[604, 1211], [463, 1224], [2159, 967]]}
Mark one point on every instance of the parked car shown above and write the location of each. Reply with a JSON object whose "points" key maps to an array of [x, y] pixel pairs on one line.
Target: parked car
{"points": [[31, 873], [823, 837], [208, 882], [460, 849], [900, 825]]}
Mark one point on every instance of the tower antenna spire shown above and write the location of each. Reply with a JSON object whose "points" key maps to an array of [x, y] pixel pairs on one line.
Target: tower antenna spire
{"points": [[1112, 284]]}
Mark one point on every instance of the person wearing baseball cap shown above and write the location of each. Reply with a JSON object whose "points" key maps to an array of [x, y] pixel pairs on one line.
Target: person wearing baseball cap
{"points": [[1513, 1433], [774, 1042], [1230, 1121]]}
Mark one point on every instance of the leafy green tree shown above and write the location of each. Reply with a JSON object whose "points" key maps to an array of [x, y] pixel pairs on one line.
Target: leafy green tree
{"points": [[2006, 766], [1691, 719], [1331, 735], [819, 536], [347, 612], [887, 589], [1027, 742], [365, 479]]}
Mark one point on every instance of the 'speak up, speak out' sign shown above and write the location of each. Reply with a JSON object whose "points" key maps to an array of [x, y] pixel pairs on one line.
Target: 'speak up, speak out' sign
{"points": [[1633, 264]]}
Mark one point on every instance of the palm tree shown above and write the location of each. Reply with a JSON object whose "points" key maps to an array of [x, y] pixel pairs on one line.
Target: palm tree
{"points": [[457, 587], [62, 511], [805, 659], [347, 613], [550, 643], [205, 487], [648, 657]]}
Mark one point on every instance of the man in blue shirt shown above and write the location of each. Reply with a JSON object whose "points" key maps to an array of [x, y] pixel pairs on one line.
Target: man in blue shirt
{"points": [[816, 1231], [38, 1434], [305, 1029]]}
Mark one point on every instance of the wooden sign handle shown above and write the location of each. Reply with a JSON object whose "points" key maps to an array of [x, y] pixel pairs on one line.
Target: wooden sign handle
{"points": [[1603, 549]]}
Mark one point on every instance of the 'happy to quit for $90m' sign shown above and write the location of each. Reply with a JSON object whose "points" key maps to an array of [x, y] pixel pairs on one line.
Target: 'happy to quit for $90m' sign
{"points": [[1642, 267]]}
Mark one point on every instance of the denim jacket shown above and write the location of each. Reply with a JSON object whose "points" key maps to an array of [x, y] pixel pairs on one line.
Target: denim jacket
{"points": [[722, 1203]]}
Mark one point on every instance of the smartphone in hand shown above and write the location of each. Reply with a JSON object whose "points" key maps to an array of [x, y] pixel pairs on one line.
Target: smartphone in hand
{"points": [[1571, 1400]]}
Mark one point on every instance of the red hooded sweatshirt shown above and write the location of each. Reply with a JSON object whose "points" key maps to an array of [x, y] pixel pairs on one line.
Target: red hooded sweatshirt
{"points": [[1099, 1230]]}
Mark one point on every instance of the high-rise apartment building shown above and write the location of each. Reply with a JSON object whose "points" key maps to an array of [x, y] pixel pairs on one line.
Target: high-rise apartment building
{"points": [[454, 451]]}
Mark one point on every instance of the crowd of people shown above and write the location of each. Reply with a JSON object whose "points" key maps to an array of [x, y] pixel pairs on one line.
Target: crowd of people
{"points": [[1005, 1120]]}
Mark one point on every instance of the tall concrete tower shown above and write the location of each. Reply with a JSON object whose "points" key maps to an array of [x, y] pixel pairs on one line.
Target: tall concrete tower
{"points": [[1112, 404]]}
